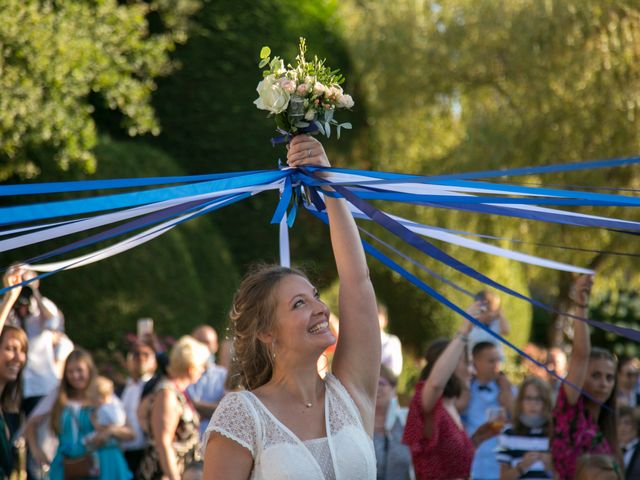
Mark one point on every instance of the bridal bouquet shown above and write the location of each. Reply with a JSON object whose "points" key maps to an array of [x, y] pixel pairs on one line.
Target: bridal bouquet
{"points": [[301, 98]]}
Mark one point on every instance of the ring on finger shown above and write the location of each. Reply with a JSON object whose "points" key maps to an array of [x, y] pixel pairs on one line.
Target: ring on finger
{"points": [[308, 153]]}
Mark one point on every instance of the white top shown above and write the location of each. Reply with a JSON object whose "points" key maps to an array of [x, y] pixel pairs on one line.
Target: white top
{"points": [[391, 352], [111, 413], [40, 376], [279, 454], [131, 400], [478, 335]]}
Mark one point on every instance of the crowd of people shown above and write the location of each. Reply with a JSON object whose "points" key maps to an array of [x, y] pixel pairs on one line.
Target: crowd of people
{"points": [[305, 395]]}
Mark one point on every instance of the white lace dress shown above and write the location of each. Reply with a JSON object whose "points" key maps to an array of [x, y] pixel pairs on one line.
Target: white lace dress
{"points": [[346, 453]]}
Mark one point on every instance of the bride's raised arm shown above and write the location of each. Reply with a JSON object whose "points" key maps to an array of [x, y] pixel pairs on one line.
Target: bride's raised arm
{"points": [[356, 362]]}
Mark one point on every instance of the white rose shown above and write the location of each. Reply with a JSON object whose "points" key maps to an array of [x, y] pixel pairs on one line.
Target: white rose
{"points": [[335, 92], [345, 101], [272, 96], [310, 115]]}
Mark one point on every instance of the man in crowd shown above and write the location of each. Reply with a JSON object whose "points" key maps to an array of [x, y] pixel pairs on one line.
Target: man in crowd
{"points": [[489, 391], [391, 346], [207, 392], [142, 365]]}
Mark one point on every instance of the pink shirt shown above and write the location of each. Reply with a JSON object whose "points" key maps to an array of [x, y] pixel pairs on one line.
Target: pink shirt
{"points": [[575, 433], [448, 453]]}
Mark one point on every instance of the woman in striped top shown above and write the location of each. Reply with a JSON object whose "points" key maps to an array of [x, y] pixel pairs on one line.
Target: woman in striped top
{"points": [[524, 446]]}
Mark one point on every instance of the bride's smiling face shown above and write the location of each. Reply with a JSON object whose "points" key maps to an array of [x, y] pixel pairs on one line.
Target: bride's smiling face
{"points": [[302, 319]]}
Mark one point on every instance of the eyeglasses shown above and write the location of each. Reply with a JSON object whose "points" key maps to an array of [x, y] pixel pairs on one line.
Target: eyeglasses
{"points": [[383, 382], [528, 398]]}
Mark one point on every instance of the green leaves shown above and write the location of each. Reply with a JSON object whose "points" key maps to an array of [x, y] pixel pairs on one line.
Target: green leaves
{"points": [[55, 61], [265, 52]]}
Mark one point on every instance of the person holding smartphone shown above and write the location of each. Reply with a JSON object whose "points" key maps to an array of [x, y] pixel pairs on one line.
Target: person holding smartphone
{"points": [[487, 310]]}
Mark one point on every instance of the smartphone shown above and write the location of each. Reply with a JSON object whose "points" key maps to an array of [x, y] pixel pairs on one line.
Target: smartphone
{"points": [[145, 327]]}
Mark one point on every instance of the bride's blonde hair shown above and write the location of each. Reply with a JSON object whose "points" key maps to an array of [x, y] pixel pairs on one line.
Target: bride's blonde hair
{"points": [[253, 313]]}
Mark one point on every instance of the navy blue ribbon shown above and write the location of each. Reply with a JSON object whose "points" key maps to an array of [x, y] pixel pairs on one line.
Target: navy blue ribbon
{"points": [[445, 301], [286, 137], [431, 250]]}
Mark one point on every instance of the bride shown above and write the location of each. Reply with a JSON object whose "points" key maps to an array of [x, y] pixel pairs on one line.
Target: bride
{"points": [[289, 422]]}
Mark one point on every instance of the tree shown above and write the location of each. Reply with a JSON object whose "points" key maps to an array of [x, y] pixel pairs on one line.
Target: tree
{"points": [[489, 84], [210, 123], [58, 58]]}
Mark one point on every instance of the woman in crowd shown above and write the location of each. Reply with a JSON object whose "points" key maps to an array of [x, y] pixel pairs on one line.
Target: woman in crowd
{"points": [[290, 422], [393, 458], [597, 467], [169, 417], [524, 446], [585, 423], [13, 356], [434, 430], [13, 350], [70, 419]]}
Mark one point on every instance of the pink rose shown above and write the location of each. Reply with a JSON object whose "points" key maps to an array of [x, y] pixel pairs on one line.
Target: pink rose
{"points": [[302, 88], [287, 85], [319, 89]]}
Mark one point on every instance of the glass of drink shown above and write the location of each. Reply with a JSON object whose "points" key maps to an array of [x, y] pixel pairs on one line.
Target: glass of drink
{"points": [[496, 417]]}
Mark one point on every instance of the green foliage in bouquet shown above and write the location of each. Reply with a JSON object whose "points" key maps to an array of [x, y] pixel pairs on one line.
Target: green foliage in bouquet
{"points": [[302, 98]]}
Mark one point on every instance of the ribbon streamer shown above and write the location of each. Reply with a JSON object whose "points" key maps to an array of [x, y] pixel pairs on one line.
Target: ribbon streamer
{"points": [[161, 203]]}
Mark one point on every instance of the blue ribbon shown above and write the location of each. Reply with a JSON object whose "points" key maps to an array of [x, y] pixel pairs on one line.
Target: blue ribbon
{"points": [[431, 250], [40, 211], [141, 222], [85, 185], [555, 168], [445, 301]]}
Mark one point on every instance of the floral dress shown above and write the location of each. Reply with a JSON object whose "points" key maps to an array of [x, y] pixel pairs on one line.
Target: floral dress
{"points": [[575, 433], [185, 441]]}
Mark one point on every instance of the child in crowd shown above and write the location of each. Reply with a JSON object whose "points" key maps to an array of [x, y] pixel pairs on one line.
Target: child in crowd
{"points": [[109, 414], [523, 448], [109, 410], [629, 439]]}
